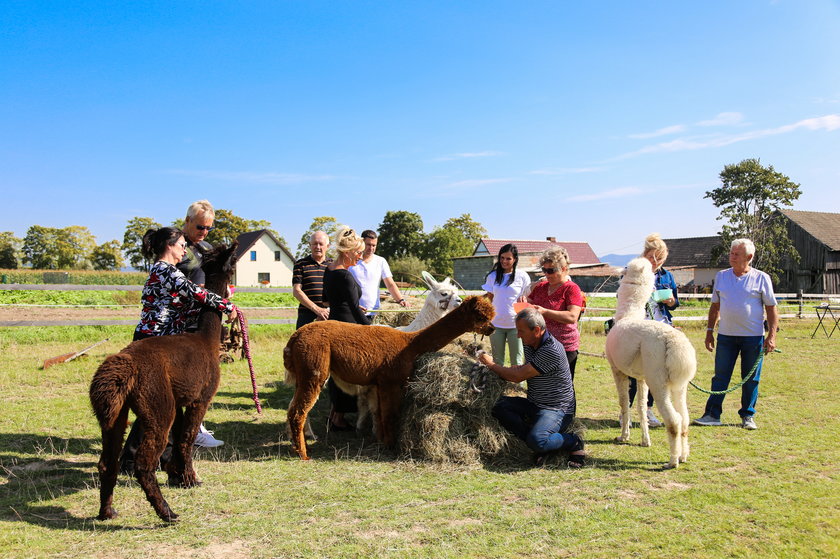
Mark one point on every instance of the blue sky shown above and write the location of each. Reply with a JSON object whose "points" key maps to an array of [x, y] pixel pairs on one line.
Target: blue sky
{"points": [[587, 121]]}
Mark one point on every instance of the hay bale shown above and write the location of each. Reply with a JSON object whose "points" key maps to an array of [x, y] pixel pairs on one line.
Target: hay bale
{"points": [[395, 315], [445, 420]]}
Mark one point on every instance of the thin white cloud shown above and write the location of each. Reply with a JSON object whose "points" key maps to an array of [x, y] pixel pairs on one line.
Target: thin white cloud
{"points": [[468, 155], [607, 194], [723, 119], [252, 177], [675, 129], [474, 183], [828, 123], [567, 171]]}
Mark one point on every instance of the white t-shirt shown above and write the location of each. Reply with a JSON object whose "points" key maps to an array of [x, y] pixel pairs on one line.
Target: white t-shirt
{"points": [[742, 301], [369, 275], [504, 296]]}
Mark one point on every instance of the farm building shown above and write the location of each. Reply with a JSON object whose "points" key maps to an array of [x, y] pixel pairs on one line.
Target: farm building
{"points": [[816, 237], [470, 271], [262, 260], [689, 259]]}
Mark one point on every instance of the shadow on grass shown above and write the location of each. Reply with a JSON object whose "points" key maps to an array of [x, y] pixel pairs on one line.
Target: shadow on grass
{"points": [[32, 480]]}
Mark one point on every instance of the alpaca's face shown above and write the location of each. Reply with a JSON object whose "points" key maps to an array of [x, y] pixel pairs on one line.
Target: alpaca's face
{"points": [[638, 272], [483, 312]]}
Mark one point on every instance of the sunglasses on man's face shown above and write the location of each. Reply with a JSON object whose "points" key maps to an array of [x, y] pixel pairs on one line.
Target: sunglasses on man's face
{"points": [[548, 270], [207, 228]]}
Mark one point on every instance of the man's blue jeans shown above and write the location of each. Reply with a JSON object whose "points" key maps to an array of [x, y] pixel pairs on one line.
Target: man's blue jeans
{"points": [[728, 349], [541, 429]]}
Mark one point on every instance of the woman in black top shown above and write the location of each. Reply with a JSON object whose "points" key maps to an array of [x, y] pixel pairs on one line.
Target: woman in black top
{"points": [[342, 293]]}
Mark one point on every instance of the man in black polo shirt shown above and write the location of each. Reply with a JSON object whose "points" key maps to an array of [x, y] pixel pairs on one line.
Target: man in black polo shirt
{"points": [[308, 281], [544, 417]]}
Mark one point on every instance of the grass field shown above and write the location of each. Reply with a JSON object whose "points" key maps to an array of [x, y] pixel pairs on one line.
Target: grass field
{"points": [[773, 492]]}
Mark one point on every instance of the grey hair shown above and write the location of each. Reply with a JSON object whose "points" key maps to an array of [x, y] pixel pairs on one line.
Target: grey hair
{"points": [[324, 233], [556, 254], [201, 207], [748, 245], [532, 318]]}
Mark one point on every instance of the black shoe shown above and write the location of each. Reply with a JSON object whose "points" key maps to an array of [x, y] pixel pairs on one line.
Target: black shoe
{"points": [[577, 460]]}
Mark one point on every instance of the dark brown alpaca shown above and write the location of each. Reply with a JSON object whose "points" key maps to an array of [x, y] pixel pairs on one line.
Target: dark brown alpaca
{"points": [[168, 382], [368, 355]]}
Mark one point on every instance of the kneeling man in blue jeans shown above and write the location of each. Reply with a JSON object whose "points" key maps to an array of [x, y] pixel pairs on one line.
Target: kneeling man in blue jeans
{"points": [[543, 418]]}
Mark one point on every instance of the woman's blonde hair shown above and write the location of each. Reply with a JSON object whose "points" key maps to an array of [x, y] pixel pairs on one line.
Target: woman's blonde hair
{"points": [[557, 255], [346, 240], [655, 244]]}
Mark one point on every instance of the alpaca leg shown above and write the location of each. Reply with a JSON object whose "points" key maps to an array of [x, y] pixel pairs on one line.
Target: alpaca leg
{"points": [[641, 405], [155, 435], [362, 406], [306, 394], [622, 385], [672, 420], [679, 396], [389, 410], [185, 475], [109, 464]]}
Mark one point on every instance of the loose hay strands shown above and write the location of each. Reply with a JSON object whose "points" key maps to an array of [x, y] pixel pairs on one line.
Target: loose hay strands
{"points": [[445, 421]]}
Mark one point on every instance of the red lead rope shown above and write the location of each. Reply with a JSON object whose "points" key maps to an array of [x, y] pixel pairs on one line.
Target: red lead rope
{"points": [[246, 345]]}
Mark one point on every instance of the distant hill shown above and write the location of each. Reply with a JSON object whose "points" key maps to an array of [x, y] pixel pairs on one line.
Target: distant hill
{"points": [[617, 259]]}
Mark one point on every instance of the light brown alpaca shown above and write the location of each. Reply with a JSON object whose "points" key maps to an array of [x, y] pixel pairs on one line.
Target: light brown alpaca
{"points": [[368, 355]]}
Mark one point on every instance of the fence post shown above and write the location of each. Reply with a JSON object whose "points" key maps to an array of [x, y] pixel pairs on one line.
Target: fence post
{"points": [[799, 296]]}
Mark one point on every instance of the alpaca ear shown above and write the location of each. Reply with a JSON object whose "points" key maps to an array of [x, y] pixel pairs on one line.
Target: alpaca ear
{"points": [[430, 281]]}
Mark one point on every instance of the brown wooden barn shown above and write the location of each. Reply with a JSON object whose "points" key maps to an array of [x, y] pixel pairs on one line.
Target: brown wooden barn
{"points": [[816, 236]]}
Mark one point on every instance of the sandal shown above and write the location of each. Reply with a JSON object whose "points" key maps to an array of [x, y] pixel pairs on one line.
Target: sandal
{"points": [[577, 460]]}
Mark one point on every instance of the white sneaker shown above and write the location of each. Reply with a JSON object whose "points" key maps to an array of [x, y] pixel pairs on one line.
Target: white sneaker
{"points": [[652, 420], [206, 439], [749, 423]]}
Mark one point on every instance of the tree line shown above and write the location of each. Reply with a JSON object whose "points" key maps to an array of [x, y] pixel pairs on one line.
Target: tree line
{"points": [[407, 248], [749, 197]]}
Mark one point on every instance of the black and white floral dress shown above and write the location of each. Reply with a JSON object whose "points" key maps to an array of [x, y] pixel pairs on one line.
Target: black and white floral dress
{"points": [[168, 296]]}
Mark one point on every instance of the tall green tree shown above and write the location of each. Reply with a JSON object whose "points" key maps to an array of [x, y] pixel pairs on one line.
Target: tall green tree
{"points": [[75, 247], [749, 198], [400, 234], [108, 256], [9, 247], [326, 223], [50, 248], [132, 244], [40, 247], [457, 237]]}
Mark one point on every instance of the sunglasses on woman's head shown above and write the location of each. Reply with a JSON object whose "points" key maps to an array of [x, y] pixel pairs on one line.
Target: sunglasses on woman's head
{"points": [[548, 270], [348, 232], [207, 228]]}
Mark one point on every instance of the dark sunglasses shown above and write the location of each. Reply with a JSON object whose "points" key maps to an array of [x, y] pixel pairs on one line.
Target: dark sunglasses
{"points": [[548, 270], [207, 228]]}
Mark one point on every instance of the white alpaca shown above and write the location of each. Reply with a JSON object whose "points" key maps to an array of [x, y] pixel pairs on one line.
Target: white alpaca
{"points": [[443, 297], [657, 355]]}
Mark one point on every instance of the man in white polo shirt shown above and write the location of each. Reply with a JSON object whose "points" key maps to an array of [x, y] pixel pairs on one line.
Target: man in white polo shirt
{"points": [[741, 296], [369, 271]]}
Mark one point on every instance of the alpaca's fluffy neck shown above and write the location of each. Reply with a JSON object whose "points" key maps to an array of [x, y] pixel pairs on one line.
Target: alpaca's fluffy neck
{"points": [[631, 302], [443, 331], [428, 315]]}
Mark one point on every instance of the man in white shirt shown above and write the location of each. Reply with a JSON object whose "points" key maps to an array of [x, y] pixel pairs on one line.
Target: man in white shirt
{"points": [[369, 271], [740, 298]]}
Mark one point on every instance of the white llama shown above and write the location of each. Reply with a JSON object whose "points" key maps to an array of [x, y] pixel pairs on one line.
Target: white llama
{"points": [[657, 355]]}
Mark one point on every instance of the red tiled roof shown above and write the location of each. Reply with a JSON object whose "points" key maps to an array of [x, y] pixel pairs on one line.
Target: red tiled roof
{"points": [[579, 253]]}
